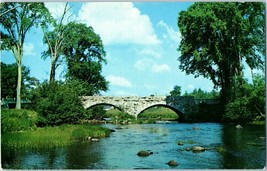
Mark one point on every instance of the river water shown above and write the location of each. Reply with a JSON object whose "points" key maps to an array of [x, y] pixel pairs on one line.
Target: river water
{"points": [[228, 148]]}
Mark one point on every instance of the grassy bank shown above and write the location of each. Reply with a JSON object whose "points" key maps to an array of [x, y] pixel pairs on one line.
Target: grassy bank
{"points": [[49, 137], [19, 130]]}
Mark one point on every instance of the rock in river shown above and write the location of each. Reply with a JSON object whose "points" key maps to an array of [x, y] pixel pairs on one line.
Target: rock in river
{"points": [[93, 139], [198, 149], [239, 127], [143, 153], [172, 163]]}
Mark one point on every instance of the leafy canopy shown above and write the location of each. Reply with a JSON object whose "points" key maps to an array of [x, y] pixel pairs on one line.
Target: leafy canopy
{"points": [[216, 37], [85, 56]]}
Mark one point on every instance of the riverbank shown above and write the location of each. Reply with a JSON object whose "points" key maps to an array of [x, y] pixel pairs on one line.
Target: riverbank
{"points": [[50, 137]]}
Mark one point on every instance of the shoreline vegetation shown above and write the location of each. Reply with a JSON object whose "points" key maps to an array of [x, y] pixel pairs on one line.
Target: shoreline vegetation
{"points": [[19, 130]]}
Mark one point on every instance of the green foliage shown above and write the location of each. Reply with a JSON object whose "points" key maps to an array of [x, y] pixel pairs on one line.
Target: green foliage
{"points": [[54, 38], [213, 44], [9, 80], [200, 94], [248, 103], [17, 18], [85, 56], [176, 91], [14, 120], [96, 112], [159, 113], [50, 137], [56, 103]]}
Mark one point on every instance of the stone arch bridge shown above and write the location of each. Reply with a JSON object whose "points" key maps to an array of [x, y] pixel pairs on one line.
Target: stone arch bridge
{"points": [[134, 105]]}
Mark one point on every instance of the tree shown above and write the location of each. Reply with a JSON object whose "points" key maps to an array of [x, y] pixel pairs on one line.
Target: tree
{"points": [[84, 55], [9, 80], [54, 39], [216, 37], [249, 102], [16, 21], [176, 91], [200, 94]]}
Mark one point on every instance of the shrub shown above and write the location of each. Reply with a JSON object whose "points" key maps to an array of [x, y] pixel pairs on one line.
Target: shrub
{"points": [[13, 120], [248, 103], [57, 103]]}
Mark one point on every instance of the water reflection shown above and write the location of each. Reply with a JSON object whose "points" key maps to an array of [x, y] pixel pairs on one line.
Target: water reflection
{"points": [[245, 148]]}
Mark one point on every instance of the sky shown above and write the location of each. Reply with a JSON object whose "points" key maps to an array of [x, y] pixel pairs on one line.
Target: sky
{"points": [[140, 40]]}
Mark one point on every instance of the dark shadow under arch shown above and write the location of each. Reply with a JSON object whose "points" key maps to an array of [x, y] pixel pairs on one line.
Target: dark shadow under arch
{"points": [[99, 104], [179, 113]]}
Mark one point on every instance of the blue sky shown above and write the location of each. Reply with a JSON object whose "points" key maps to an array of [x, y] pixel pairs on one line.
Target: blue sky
{"points": [[140, 39]]}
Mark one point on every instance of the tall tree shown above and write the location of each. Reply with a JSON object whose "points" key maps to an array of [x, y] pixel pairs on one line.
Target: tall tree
{"points": [[54, 39], [16, 21], [216, 37], [85, 54], [9, 80], [176, 91]]}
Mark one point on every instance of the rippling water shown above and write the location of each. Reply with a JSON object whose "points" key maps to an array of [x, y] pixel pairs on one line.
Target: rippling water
{"points": [[228, 148]]}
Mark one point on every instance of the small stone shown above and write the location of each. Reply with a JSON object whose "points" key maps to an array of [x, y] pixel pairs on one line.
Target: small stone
{"points": [[172, 163], [94, 139], [196, 128], [180, 143], [239, 127], [143, 153], [198, 149], [188, 149]]}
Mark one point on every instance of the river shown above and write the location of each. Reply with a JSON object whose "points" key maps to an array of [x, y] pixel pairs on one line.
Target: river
{"points": [[227, 148]]}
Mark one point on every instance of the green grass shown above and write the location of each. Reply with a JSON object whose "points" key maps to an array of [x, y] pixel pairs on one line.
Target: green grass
{"points": [[159, 112], [49, 137], [13, 120], [148, 116]]}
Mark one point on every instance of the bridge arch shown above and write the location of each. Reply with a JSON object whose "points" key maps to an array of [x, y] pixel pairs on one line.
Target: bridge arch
{"points": [[179, 113], [108, 104]]}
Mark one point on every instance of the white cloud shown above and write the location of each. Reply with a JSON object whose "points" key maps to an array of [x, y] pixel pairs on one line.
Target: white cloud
{"points": [[149, 51], [118, 23], [57, 8], [190, 87], [170, 33], [156, 68], [29, 49], [119, 81], [144, 64]]}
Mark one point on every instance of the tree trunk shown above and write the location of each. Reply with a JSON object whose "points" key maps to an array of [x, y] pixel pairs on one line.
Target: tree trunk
{"points": [[18, 100], [52, 71], [252, 77]]}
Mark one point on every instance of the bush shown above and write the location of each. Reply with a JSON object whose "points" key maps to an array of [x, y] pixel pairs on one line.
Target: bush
{"points": [[57, 103], [13, 120], [248, 103]]}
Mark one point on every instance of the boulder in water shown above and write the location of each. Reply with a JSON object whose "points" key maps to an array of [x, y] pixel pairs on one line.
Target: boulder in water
{"points": [[239, 127], [198, 149], [143, 153], [172, 163]]}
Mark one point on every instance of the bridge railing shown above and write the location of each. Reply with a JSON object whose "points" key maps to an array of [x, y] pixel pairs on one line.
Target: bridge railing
{"points": [[7, 102]]}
